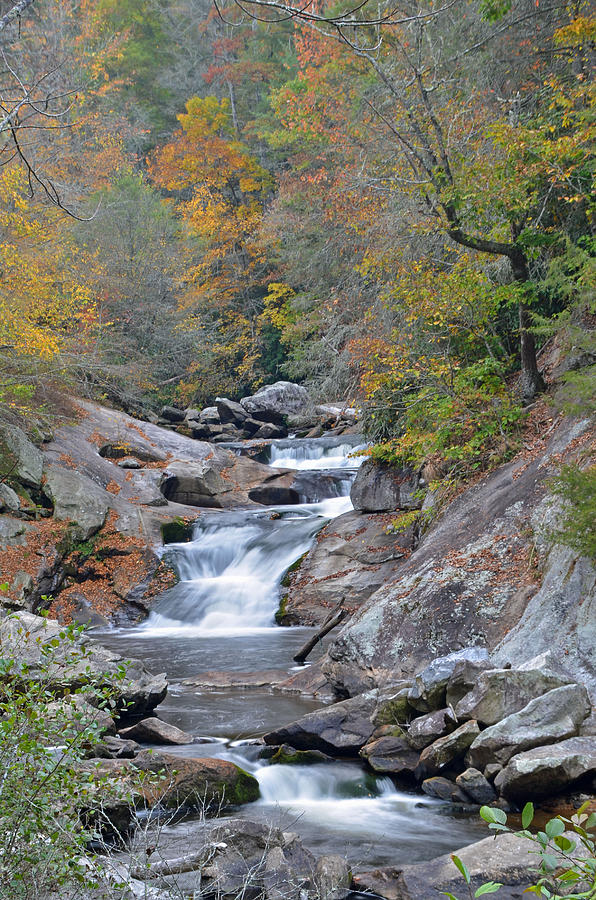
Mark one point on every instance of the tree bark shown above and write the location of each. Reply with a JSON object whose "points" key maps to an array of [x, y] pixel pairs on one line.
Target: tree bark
{"points": [[335, 618]]}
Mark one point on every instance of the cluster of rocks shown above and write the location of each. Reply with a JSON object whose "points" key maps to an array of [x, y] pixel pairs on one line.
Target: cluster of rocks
{"points": [[467, 732], [274, 411]]}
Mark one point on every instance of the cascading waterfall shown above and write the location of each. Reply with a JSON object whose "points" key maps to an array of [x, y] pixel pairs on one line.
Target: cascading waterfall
{"points": [[315, 454]]}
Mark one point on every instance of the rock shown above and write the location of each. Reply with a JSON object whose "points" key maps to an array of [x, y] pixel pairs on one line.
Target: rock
{"points": [[464, 679], [13, 532], [282, 398], [447, 749], [230, 412], [80, 714], [214, 484], [76, 499], [394, 709], [339, 730], [268, 431], [154, 731], [332, 878], [20, 458], [473, 782], [172, 414], [270, 495], [288, 756], [131, 449], [443, 789], [209, 416], [116, 748], [129, 463], [500, 692], [504, 858], [352, 557], [553, 717], [381, 882], [382, 488], [426, 729], [192, 415], [542, 771], [391, 754], [29, 639], [429, 689], [492, 770], [9, 500], [183, 781]]}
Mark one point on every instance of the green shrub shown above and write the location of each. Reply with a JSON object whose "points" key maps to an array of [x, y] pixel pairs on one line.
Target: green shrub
{"points": [[577, 488]]}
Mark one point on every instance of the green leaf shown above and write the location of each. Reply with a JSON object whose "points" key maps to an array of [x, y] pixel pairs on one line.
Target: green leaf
{"points": [[527, 815], [564, 843], [554, 828], [461, 866], [491, 887], [492, 814]]}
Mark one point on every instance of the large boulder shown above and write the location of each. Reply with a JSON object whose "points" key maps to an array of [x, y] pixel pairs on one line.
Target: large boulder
{"points": [[500, 692], [543, 771], [426, 729], [553, 717], [230, 412], [476, 786], [429, 689], [20, 458], [274, 401], [391, 754], [63, 666], [77, 499], [351, 558], [155, 731], [448, 749], [339, 730], [383, 488]]}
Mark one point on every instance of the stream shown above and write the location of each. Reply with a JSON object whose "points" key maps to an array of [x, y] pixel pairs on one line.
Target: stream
{"points": [[220, 617]]}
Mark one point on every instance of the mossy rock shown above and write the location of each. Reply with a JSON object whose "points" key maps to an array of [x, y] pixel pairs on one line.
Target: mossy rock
{"points": [[288, 756], [394, 711], [177, 531], [285, 581]]}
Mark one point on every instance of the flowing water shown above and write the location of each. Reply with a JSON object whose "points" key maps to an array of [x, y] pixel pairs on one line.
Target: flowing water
{"points": [[220, 617]]}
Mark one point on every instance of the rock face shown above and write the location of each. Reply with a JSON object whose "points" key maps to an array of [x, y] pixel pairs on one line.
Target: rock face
{"points": [[553, 717], [282, 399], [382, 488], [24, 637], [545, 770], [20, 457], [500, 692], [471, 569], [76, 499], [351, 558], [339, 730]]}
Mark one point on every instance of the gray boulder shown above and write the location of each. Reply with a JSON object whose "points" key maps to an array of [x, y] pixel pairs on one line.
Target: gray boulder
{"points": [[230, 412], [473, 783], [77, 499], [382, 488], [209, 416], [464, 679], [268, 431], [29, 639], [154, 731], [19, 456], [9, 500], [282, 398], [332, 877], [448, 749], [341, 729], [543, 771], [391, 754], [553, 717], [443, 789], [500, 692], [429, 689], [426, 729], [172, 414]]}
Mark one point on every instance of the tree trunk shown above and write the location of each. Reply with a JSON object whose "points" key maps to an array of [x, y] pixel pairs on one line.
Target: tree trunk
{"points": [[531, 380]]}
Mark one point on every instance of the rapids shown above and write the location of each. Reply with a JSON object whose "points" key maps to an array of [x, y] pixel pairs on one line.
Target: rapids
{"points": [[220, 617]]}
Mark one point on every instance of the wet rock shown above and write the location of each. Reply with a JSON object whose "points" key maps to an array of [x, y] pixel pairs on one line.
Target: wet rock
{"points": [[429, 689], [270, 495], [500, 692], [542, 771], [448, 749], [339, 730], [553, 717], [391, 754], [282, 398], [473, 783], [77, 499], [154, 731], [28, 638], [443, 789], [20, 457], [427, 729], [382, 488], [289, 756]]}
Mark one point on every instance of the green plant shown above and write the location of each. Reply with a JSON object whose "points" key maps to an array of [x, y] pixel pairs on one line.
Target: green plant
{"points": [[565, 851], [51, 806]]}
